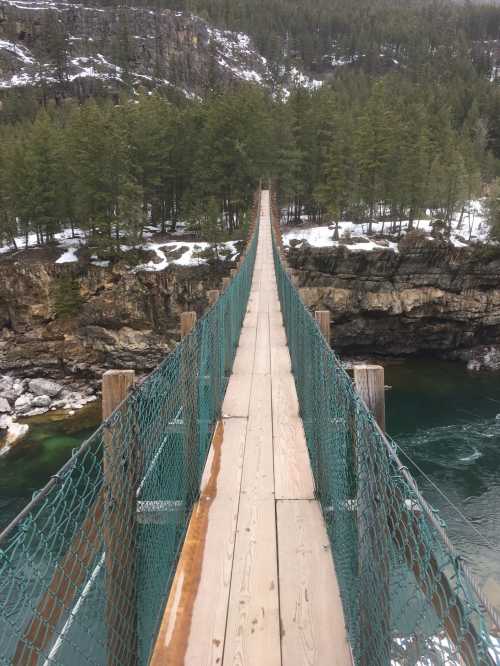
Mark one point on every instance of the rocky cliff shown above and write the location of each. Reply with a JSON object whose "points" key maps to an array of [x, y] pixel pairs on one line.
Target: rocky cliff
{"points": [[73, 49], [78, 320], [433, 300]]}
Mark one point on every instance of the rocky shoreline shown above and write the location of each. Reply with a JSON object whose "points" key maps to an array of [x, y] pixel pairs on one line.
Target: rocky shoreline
{"points": [[23, 398]]}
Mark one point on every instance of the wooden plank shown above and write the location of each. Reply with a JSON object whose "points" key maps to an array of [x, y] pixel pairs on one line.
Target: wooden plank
{"points": [[243, 364], [253, 629], [285, 394], [262, 363], [251, 319], [247, 339], [280, 361], [237, 400], [258, 475], [207, 616], [312, 620], [277, 333], [292, 467]]}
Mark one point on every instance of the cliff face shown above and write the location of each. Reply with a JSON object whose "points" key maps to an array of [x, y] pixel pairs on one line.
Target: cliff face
{"points": [[443, 301], [60, 320], [79, 50]]}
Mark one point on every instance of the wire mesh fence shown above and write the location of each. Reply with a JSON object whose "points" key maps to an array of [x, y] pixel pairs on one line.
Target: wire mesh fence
{"points": [[85, 570], [408, 598]]}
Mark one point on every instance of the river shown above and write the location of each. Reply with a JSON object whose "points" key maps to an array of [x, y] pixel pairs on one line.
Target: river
{"points": [[444, 417], [48, 445]]}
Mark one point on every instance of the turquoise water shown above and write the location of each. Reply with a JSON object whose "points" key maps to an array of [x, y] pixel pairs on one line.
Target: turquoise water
{"points": [[48, 445], [445, 418]]}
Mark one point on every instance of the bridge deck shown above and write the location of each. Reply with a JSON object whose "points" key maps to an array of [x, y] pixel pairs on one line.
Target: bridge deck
{"points": [[256, 584]]}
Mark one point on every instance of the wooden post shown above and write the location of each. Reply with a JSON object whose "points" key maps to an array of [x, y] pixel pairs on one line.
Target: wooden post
{"points": [[188, 322], [213, 296], [369, 381], [120, 523], [225, 283], [234, 273], [189, 388], [374, 538], [323, 318]]}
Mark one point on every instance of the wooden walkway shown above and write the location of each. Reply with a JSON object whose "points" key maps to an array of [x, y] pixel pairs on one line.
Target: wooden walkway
{"points": [[255, 584]]}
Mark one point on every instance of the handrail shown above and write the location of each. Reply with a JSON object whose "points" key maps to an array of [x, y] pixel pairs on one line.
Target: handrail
{"points": [[52, 578], [389, 547]]}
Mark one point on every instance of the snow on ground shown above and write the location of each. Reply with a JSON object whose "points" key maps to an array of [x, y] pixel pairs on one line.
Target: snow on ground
{"points": [[68, 257], [190, 254], [21, 52], [473, 227], [66, 239], [185, 253]]}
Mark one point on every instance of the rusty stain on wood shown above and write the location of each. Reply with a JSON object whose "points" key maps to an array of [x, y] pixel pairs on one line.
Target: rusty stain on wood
{"points": [[172, 642]]}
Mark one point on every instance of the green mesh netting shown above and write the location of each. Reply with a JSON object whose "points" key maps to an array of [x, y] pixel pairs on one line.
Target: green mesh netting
{"points": [[408, 600], [110, 525]]}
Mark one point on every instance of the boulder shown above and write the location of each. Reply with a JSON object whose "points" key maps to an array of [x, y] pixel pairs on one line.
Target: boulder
{"points": [[45, 387], [6, 383], [15, 433], [41, 401], [5, 421], [19, 387], [5, 408], [38, 411], [10, 395], [23, 403]]}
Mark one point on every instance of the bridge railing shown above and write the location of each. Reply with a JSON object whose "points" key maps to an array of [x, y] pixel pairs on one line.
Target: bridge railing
{"points": [[86, 568], [408, 598]]}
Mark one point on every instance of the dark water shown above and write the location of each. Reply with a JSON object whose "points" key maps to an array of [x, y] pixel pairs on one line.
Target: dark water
{"points": [[445, 418], [30, 464]]}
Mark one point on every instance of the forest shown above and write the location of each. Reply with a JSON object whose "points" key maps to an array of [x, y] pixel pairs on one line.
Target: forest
{"points": [[418, 33], [348, 151], [394, 142]]}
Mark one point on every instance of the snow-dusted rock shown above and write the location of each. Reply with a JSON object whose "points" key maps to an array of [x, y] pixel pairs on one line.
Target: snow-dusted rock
{"points": [[485, 358], [15, 433], [6, 383], [23, 403], [74, 400], [41, 401], [5, 408], [44, 387], [38, 411], [19, 387], [10, 395], [58, 404]]}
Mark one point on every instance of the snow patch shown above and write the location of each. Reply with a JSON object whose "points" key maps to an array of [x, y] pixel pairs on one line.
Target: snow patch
{"points": [[68, 257], [190, 254], [469, 226], [21, 52]]}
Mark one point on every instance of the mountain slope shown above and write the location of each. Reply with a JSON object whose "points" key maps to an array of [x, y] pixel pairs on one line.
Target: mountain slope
{"points": [[85, 49]]}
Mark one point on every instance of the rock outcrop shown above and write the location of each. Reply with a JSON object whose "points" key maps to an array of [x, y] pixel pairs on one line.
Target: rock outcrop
{"points": [[434, 300], [120, 319]]}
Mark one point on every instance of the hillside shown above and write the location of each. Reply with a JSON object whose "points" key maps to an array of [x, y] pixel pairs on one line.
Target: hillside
{"points": [[85, 50], [196, 46]]}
